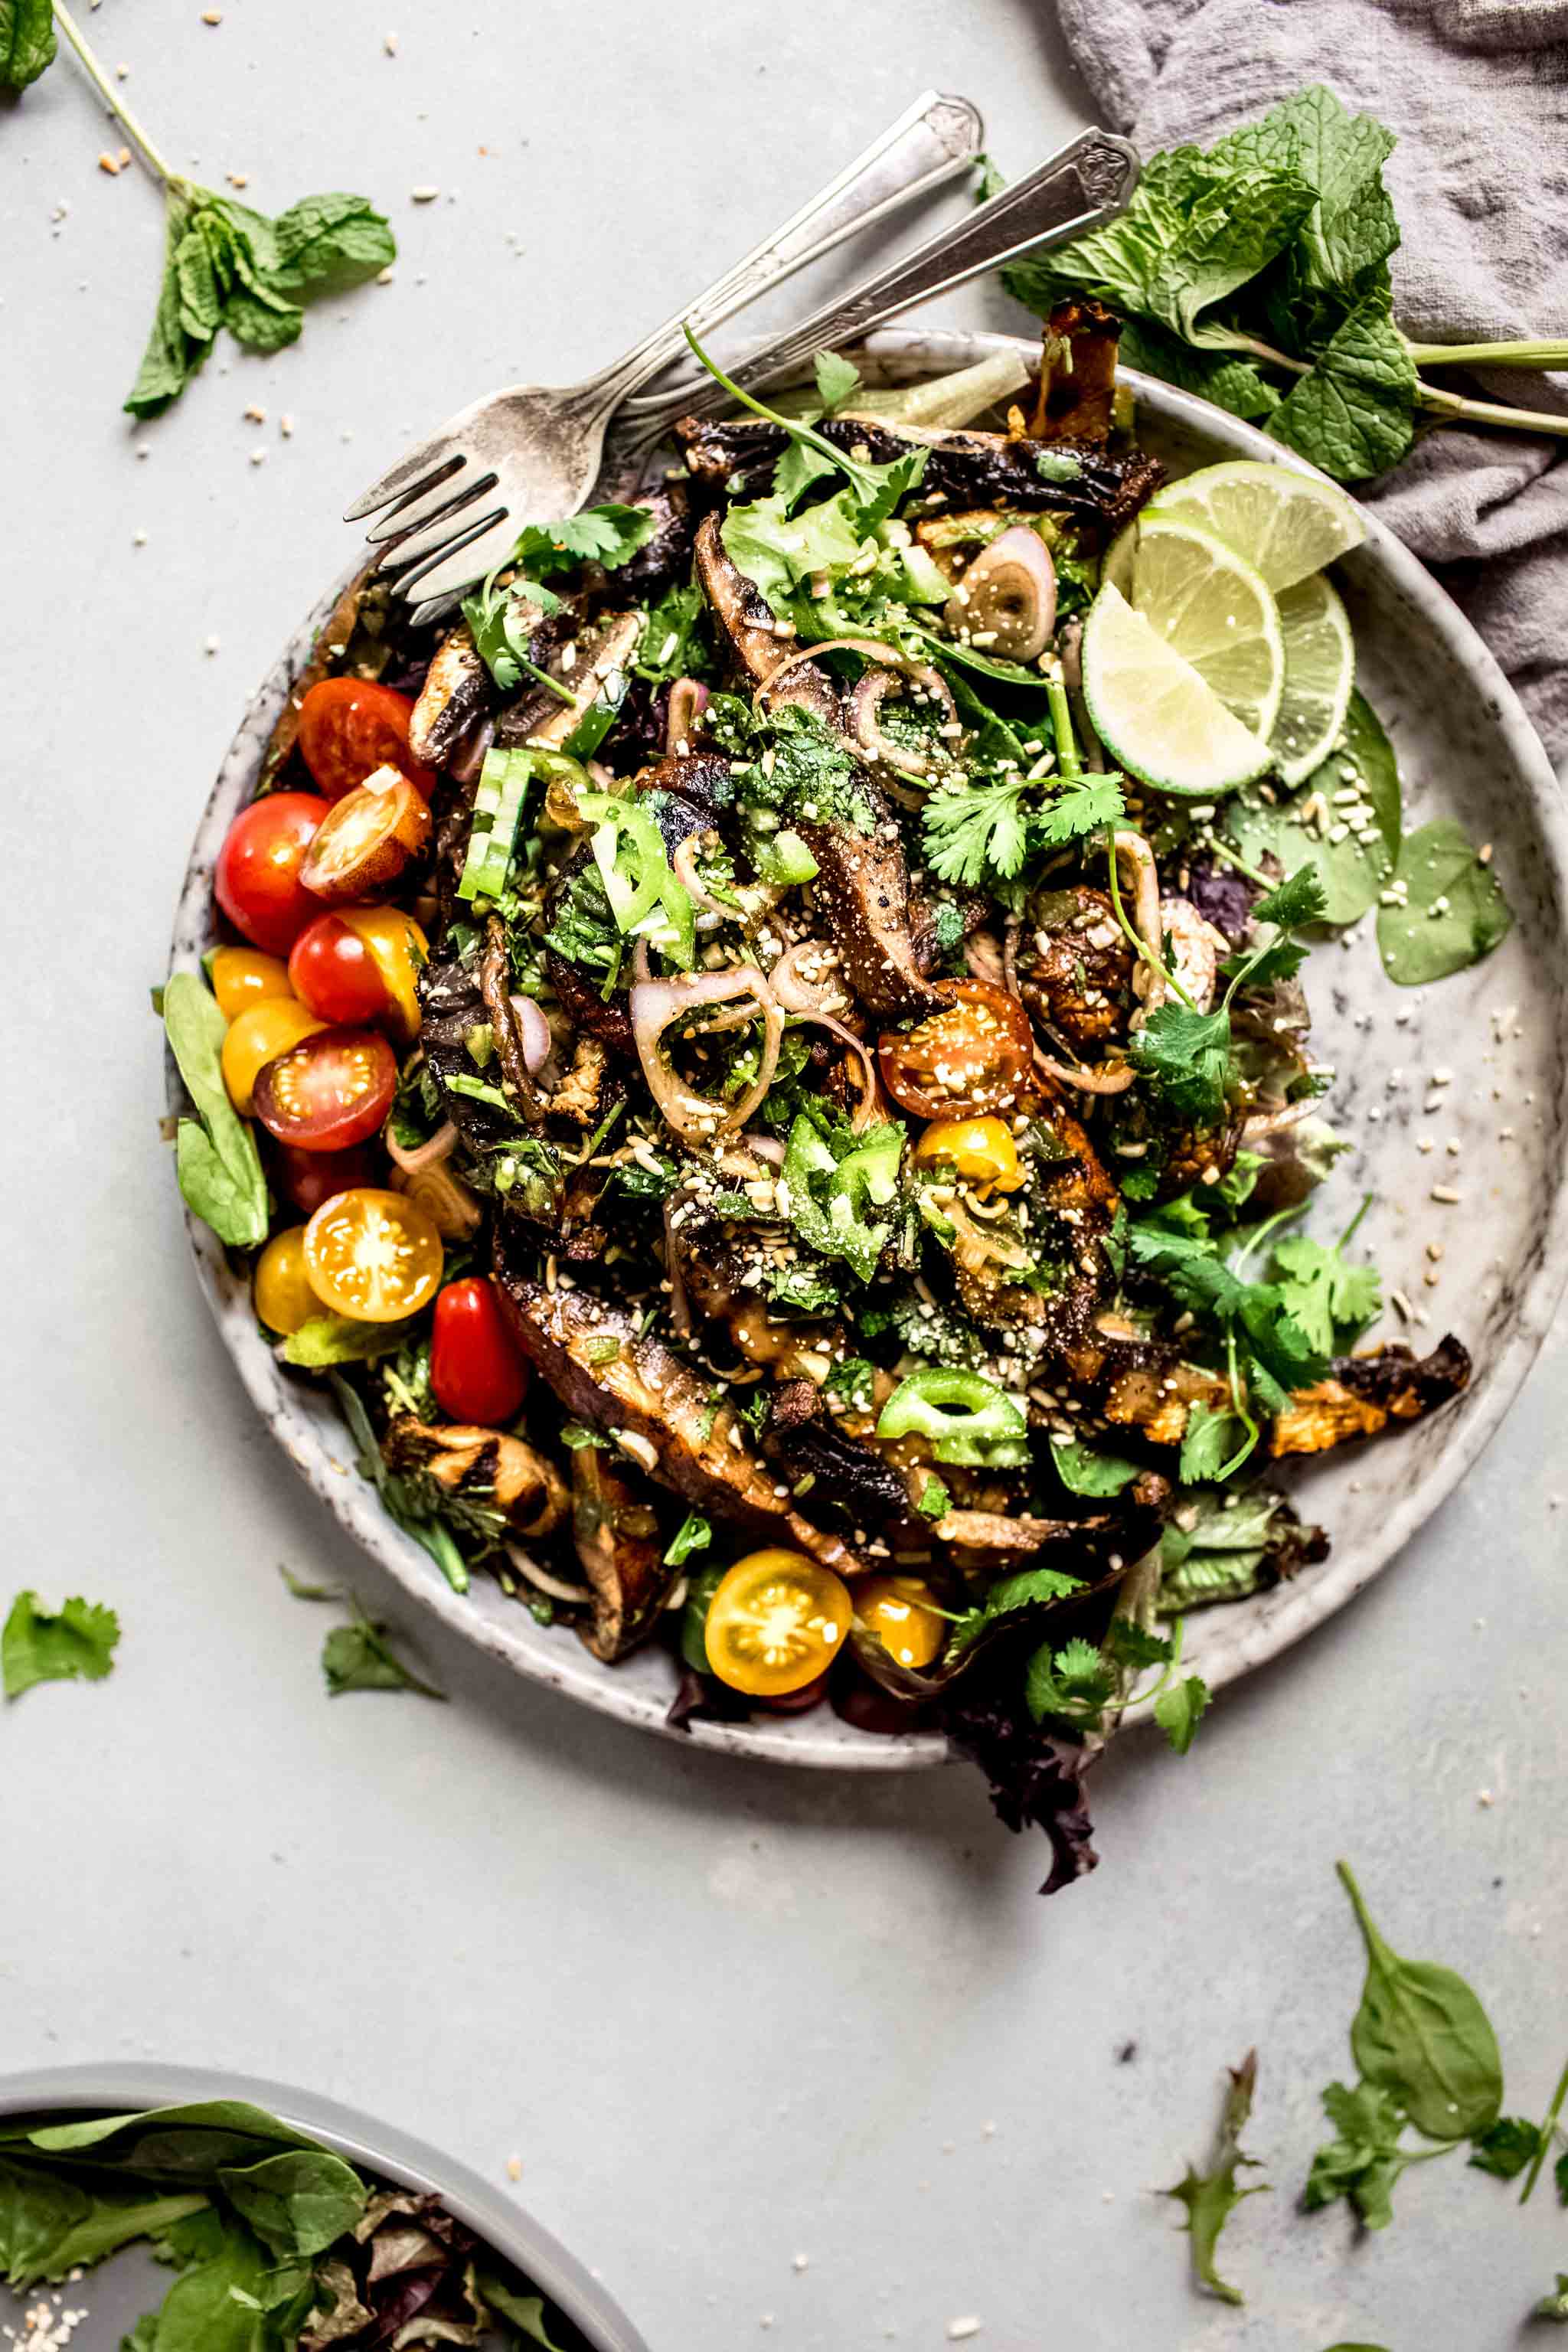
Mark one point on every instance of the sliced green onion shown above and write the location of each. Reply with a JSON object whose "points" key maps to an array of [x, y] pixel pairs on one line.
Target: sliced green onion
{"points": [[599, 718]]}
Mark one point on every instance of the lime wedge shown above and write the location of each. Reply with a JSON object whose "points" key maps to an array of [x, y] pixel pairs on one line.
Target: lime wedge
{"points": [[1154, 711], [1284, 524], [1320, 671], [1209, 606]]}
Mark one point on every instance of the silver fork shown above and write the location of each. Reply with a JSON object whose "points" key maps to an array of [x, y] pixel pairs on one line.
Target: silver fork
{"points": [[1085, 184], [538, 449]]}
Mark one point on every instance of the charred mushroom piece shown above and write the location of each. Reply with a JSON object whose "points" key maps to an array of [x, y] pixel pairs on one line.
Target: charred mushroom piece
{"points": [[483, 1466], [667, 556], [808, 1444], [541, 719], [661, 1413], [1365, 1393], [1074, 967], [862, 888], [452, 1007], [746, 620], [1078, 373], [967, 469], [495, 983], [615, 1529], [1072, 1209], [456, 691]]}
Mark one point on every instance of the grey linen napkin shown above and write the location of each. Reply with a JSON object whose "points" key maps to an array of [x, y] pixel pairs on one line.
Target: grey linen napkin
{"points": [[1478, 92]]}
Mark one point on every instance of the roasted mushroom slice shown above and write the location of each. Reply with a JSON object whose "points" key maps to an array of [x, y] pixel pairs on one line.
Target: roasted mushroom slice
{"points": [[616, 1530], [746, 618], [1074, 967], [1078, 373], [586, 663], [862, 889], [482, 1466], [456, 691], [1362, 1394], [662, 1414]]}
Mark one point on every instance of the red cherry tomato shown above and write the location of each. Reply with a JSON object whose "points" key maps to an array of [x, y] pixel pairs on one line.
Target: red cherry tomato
{"points": [[332, 971], [330, 1090], [308, 1178], [477, 1371], [256, 878], [796, 1702], [349, 726], [971, 1057]]}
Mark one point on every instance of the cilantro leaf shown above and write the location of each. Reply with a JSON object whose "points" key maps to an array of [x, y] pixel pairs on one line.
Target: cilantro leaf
{"points": [[776, 551], [1212, 2197], [1296, 900], [1178, 1708], [1080, 807], [1132, 1645], [971, 828], [1208, 1444], [1331, 1300], [1365, 2160], [1028, 1588], [838, 378], [1505, 2148], [39, 1647], [26, 41], [359, 1657], [609, 535], [1185, 1055], [693, 1534], [1084, 1470]]}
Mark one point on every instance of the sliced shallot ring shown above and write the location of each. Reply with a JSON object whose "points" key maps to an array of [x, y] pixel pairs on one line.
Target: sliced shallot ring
{"points": [[865, 708], [798, 994], [534, 1031], [873, 648], [657, 1004], [428, 1154], [556, 1586], [683, 865], [687, 701], [1010, 589], [865, 1110], [1145, 914], [1270, 1122], [1108, 1079]]}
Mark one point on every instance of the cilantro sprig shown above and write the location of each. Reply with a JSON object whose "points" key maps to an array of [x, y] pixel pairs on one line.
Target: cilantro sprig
{"points": [[983, 833], [225, 266]]}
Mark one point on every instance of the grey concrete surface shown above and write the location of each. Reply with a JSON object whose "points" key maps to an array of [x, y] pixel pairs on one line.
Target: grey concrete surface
{"points": [[770, 2048]]}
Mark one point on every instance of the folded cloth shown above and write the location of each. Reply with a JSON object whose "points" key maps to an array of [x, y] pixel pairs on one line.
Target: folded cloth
{"points": [[1478, 92]]}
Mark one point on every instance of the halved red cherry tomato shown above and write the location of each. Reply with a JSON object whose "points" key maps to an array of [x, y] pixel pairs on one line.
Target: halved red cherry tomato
{"points": [[329, 1091], [477, 1371], [972, 1056], [349, 726], [372, 1256], [308, 1178], [798, 1702], [333, 972], [256, 878], [257, 1037], [367, 838]]}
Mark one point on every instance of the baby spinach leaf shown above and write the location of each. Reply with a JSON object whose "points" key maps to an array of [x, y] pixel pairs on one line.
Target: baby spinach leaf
{"points": [[217, 2305], [36, 1647], [36, 2213], [215, 1157], [1212, 2197], [1421, 2035], [296, 2203], [1454, 910], [1354, 870], [114, 2220], [26, 41]]}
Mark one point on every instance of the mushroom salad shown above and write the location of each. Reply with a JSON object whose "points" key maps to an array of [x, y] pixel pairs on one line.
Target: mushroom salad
{"points": [[767, 1063]]}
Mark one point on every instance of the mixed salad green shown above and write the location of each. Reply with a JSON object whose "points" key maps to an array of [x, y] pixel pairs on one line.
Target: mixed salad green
{"points": [[275, 2242], [770, 1065]]}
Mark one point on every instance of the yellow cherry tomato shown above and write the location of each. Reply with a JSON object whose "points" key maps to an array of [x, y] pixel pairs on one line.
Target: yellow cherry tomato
{"points": [[281, 1292], [776, 1621], [982, 1149], [399, 947], [373, 1255], [901, 1613], [257, 1037], [244, 976]]}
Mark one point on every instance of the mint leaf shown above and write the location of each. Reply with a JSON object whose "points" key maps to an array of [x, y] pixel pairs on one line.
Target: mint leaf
{"points": [[1453, 910], [1355, 414], [1228, 380], [326, 243], [26, 41], [37, 1647]]}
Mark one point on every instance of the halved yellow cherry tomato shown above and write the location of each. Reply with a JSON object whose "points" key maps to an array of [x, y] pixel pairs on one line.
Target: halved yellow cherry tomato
{"points": [[244, 976], [400, 948], [776, 1621], [373, 1255], [981, 1149], [257, 1037], [901, 1613], [281, 1293]]}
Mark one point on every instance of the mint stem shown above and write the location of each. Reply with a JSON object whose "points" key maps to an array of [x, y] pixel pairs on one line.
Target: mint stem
{"points": [[1450, 407], [1550, 354], [112, 97]]}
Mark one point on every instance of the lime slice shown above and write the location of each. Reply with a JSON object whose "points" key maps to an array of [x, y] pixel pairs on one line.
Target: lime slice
{"points": [[1320, 671], [1155, 713], [1284, 524], [1209, 606]]}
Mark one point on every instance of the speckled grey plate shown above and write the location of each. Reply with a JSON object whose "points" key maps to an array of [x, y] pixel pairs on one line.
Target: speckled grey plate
{"points": [[1500, 1030], [117, 2294]]}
